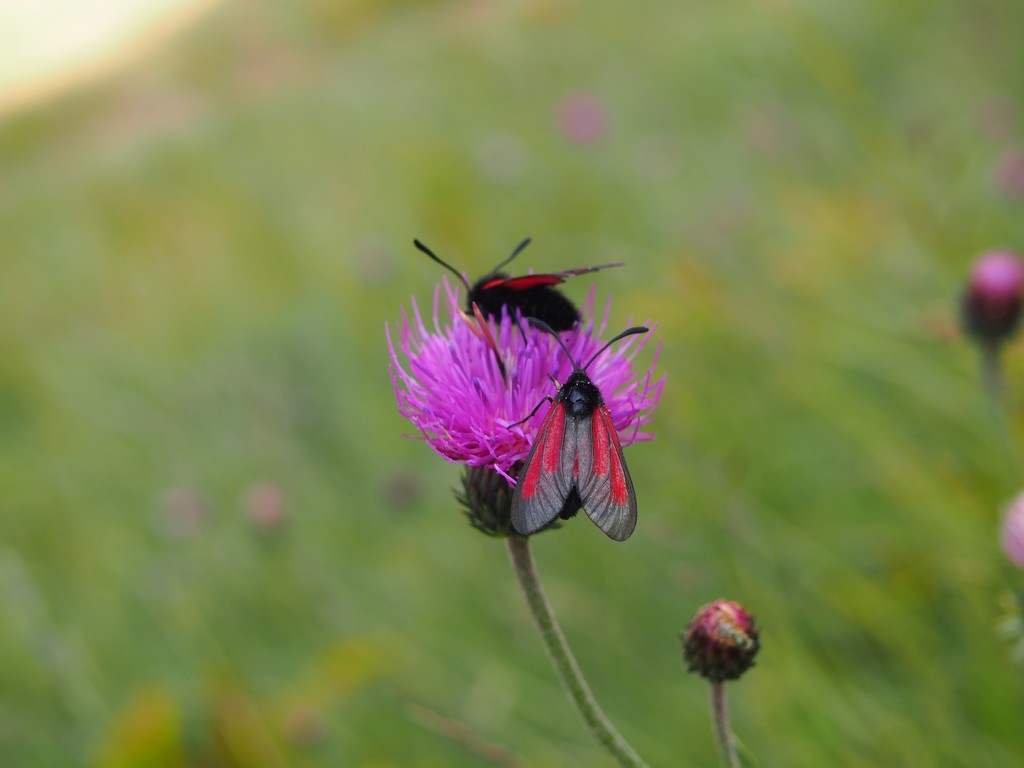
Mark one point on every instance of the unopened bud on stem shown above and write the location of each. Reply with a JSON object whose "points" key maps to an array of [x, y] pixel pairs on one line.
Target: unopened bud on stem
{"points": [[721, 641]]}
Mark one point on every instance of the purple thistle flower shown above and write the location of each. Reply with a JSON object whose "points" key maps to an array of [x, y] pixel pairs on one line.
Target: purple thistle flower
{"points": [[450, 385]]}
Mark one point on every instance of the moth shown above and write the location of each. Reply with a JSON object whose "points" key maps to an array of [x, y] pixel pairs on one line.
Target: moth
{"points": [[532, 295], [576, 460]]}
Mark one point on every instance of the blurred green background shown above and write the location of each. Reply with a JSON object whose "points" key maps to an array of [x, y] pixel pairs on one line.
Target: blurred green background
{"points": [[216, 549]]}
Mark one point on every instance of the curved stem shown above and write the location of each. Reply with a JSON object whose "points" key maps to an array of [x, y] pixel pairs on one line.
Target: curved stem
{"points": [[994, 382], [723, 733], [992, 375], [565, 665]]}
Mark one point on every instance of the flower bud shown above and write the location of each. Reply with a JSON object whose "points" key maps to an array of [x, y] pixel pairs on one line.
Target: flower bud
{"points": [[721, 641], [1013, 532], [487, 500], [991, 305]]}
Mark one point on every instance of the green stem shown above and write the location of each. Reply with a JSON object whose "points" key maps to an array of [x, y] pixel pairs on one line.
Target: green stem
{"points": [[565, 665], [992, 375], [727, 756], [994, 382]]}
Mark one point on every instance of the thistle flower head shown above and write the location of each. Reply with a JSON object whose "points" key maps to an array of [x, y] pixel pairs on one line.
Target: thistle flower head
{"points": [[721, 641], [469, 386], [992, 303]]}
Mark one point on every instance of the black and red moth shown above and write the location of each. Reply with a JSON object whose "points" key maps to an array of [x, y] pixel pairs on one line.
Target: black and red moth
{"points": [[533, 295], [576, 460]]}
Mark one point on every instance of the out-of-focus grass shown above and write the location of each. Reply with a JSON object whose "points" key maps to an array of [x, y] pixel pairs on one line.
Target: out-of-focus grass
{"points": [[200, 256]]}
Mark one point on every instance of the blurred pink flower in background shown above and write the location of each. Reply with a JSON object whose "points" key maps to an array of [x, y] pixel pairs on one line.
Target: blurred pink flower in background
{"points": [[583, 118], [1013, 532], [1008, 175], [992, 303], [265, 506]]}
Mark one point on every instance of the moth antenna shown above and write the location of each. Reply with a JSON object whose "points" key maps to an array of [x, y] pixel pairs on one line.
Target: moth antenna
{"points": [[518, 249], [541, 325], [444, 264], [545, 399], [628, 332]]}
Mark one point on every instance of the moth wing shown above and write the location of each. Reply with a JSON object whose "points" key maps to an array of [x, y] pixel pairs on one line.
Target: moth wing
{"points": [[526, 282], [587, 270], [606, 488], [542, 487], [577, 450]]}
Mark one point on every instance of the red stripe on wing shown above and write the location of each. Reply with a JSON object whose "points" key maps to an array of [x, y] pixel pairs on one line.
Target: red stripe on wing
{"points": [[552, 434], [608, 455], [600, 435], [547, 449], [620, 492], [524, 283]]}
